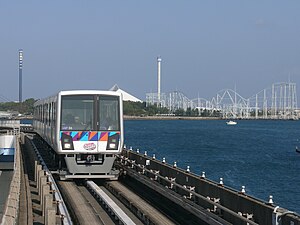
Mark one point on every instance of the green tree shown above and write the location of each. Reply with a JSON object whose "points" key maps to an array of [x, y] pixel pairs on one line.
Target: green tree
{"points": [[152, 110], [205, 113], [133, 108], [188, 112], [25, 107], [195, 112], [179, 112]]}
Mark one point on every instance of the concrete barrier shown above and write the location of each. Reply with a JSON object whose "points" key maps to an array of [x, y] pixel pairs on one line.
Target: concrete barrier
{"points": [[37, 168], [43, 181], [48, 203], [50, 216], [44, 193]]}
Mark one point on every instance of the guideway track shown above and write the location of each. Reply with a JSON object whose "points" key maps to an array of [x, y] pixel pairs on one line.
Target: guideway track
{"points": [[146, 212], [80, 208]]}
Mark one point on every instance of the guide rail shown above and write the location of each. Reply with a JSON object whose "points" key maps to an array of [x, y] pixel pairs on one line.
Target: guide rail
{"points": [[110, 204]]}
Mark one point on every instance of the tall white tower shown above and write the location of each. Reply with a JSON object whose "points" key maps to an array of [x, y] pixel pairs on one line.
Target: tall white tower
{"points": [[158, 77], [20, 74]]}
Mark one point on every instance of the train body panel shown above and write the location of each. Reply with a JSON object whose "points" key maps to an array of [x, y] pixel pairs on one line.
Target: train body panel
{"points": [[84, 128]]}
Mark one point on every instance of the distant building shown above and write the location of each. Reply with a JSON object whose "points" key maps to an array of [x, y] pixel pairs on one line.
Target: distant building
{"points": [[5, 115], [126, 96]]}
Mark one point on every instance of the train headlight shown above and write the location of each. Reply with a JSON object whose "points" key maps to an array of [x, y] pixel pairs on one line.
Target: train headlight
{"points": [[66, 142], [113, 142], [67, 146], [112, 146]]}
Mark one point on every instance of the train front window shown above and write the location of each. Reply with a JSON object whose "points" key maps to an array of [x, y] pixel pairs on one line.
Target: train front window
{"points": [[77, 112], [109, 113]]}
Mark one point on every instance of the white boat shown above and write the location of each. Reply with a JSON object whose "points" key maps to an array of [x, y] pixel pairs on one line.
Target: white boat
{"points": [[231, 122]]}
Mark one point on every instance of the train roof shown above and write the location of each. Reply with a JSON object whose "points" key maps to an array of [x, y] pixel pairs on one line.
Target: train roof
{"points": [[88, 92], [78, 92]]}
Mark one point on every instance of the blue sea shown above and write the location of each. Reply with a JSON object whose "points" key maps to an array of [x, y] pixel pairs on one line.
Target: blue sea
{"points": [[258, 154]]}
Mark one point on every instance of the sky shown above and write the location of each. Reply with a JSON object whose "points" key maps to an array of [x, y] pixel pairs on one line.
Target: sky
{"points": [[205, 46]]}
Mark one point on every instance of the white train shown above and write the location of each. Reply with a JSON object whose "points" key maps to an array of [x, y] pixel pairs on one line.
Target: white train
{"points": [[85, 130]]}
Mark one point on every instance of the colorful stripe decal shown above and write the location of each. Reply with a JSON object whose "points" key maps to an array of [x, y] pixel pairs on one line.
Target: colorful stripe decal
{"points": [[88, 135], [103, 137]]}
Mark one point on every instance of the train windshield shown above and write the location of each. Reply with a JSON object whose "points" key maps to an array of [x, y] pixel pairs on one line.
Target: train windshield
{"points": [[77, 112], [109, 113]]}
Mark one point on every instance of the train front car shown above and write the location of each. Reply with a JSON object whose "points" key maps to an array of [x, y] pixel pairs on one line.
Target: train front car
{"points": [[90, 133]]}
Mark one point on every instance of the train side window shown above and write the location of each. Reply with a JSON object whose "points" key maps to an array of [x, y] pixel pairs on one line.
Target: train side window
{"points": [[54, 113], [50, 113], [40, 112], [46, 114]]}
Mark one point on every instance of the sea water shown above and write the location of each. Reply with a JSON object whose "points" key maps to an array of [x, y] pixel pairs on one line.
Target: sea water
{"points": [[258, 154]]}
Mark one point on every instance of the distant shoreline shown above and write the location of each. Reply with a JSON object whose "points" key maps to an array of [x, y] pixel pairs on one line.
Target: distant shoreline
{"points": [[169, 118], [125, 117]]}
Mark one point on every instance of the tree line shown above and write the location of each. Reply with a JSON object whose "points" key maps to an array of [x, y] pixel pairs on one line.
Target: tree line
{"points": [[25, 107], [140, 109], [129, 108]]}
